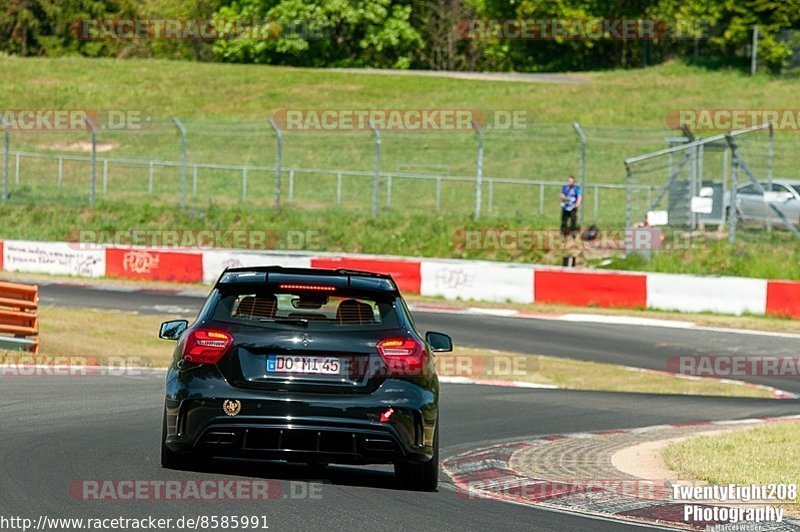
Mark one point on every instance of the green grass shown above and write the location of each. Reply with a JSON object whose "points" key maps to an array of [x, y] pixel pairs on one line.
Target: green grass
{"points": [[393, 233], [763, 455], [226, 107], [102, 337], [778, 258]]}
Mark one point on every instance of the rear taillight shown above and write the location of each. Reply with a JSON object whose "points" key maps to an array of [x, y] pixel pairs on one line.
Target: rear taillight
{"points": [[403, 356], [206, 346]]}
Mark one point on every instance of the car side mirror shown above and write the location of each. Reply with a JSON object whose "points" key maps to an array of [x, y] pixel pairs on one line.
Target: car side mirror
{"points": [[440, 343], [172, 330]]}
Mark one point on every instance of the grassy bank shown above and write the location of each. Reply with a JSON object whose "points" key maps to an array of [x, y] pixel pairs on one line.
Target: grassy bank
{"points": [[226, 123], [763, 455], [393, 233]]}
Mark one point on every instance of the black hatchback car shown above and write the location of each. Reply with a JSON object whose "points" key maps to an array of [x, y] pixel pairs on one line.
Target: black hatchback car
{"points": [[304, 365]]}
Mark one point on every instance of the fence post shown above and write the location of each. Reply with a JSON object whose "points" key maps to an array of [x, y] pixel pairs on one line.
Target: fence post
{"points": [[725, 169], [278, 161], [93, 163], [338, 188], [693, 185], [105, 176], [291, 186], [628, 194], [696, 191], [478, 169], [581, 164], [389, 190], [596, 201], [60, 171], [438, 193], [6, 154], [491, 195], [541, 199], [150, 179], [376, 179], [770, 156], [732, 214], [182, 131]]}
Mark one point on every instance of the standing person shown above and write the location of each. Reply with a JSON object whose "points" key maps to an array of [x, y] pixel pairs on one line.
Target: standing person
{"points": [[571, 197]]}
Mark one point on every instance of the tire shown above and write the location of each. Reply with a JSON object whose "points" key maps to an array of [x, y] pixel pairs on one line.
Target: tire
{"points": [[421, 476], [169, 458]]}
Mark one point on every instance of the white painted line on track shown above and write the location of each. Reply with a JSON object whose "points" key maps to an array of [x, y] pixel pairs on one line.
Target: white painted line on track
{"points": [[626, 320]]}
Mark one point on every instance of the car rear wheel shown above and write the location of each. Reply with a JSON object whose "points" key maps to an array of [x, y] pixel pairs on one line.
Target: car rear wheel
{"points": [[421, 476], [169, 458]]}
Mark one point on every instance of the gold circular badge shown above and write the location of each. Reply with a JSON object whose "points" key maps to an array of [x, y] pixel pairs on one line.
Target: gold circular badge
{"points": [[232, 407]]}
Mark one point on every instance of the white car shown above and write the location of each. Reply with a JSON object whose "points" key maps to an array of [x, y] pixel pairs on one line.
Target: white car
{"points": [[754, 205]]}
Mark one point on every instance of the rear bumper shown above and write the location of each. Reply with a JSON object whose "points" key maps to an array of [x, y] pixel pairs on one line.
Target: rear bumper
{"points": [[304, 441], [334, 428]]}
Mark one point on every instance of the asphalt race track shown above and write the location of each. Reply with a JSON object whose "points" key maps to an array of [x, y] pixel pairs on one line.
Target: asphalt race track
{"points": [[56, 431], [629, 345]]}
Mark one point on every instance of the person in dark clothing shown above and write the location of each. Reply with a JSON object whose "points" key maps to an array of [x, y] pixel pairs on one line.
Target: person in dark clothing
{"points": [[571, 197]]}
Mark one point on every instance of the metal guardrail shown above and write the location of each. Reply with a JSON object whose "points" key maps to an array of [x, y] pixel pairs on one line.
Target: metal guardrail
{"points": [[19, 319]]}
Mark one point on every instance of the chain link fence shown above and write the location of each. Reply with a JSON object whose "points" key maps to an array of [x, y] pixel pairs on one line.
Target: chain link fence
{"points": [[511, 174], [718, 181]]}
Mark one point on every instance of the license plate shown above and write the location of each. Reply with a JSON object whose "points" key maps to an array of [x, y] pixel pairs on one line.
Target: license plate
{"points": [[303, 365]]}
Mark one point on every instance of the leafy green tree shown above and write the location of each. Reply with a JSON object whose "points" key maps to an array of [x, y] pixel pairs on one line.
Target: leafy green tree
{"points": [[319, 33], [49, 27], [187, 49]]}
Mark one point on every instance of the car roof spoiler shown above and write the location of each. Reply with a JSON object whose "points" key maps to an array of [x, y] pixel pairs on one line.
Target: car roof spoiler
{"points": [[278, 275]]}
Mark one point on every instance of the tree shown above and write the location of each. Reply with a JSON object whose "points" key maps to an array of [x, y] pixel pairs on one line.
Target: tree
{"points": [[321, 33]]}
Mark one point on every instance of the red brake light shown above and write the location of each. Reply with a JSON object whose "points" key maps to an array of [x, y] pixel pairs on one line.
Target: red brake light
{"points": [[315, 287], [403, 356], [206, 346]]}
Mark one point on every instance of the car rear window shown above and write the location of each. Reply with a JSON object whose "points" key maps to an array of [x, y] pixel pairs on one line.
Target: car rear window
{"points": [[312, 310]]}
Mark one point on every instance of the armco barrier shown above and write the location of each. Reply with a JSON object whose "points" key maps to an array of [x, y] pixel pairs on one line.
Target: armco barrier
{"points": [[19, 321], [156, 265], [695, 293], [405, 272], [783, 298], [448, 278], [479, 281], [58, 258], [584, 289]]}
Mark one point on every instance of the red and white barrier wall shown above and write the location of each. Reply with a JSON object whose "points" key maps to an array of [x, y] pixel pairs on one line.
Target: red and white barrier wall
{"points": [[451, 279]]}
